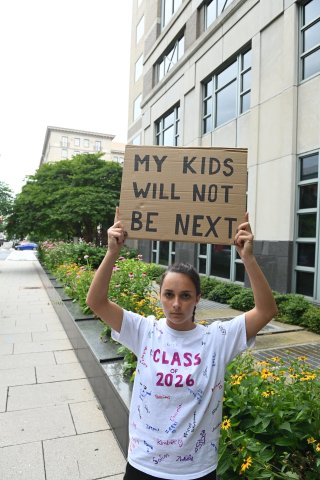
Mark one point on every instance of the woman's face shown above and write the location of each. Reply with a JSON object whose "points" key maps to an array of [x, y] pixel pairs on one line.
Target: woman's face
{"points": [[178, 297]]}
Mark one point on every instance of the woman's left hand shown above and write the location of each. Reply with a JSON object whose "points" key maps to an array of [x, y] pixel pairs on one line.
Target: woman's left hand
{"points": [[243, 239]]}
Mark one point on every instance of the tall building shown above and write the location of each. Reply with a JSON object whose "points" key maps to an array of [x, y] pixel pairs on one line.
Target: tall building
{"points": [[62, 143], [238, 73]]}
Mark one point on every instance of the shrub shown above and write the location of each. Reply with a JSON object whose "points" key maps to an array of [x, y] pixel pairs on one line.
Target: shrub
{"points": [[52, 255], [223, 292], [155, 271], [271, 425], [243, 300], [291, 308], [311, 318], [207, 284]]}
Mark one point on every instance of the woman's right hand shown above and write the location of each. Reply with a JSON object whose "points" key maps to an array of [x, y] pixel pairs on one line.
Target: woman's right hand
{"points": [[116, 234]]}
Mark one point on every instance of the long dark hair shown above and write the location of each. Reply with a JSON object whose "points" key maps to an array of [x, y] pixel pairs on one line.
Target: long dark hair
{"points": [[186, 269]]}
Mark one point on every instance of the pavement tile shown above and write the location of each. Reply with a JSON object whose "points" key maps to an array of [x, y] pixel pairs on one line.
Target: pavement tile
{"points": [[6, 329], [67, 356], [6, 348], [45, 336], [45, 346], [22, 462], [3, 399], [88, 417], [24, 426], [57, 373], [15, 338], [27, 360], [89, 456], [45, 394], [17, 376]]}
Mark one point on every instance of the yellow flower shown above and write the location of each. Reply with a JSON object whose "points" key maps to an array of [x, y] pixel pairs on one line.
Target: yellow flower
{"points": [[267, 393], [311, 440], [265, 373], [276, 359], [303, 358], [246, 464], [318, 447], [226, 424], [263, 362]]}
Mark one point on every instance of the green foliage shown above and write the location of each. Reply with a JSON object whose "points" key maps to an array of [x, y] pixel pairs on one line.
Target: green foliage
{"points": [[6, 202], [207, 284], [311, 318], [223, 292], [155, 271], [291, 308], [69, 198], [271, 426], [243, 300]]}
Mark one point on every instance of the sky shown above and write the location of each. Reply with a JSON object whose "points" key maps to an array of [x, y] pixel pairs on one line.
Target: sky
{"points": [[63, 63]]}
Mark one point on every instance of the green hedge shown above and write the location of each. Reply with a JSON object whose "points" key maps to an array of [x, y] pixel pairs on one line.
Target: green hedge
{"points": [[293, 308]]}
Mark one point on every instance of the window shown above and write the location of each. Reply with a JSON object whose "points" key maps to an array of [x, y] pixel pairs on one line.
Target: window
{"points": [[307, 227], [213, 9], [137, 107], [76, 152], [64, 153], [97, 146], [226, 94], [310, 38], [168, 9], [86, 143], [167, 134], [220, 261], [138, 68], [77, 142], [140, 29], [167, 128], [170, 58], [64, 141]]}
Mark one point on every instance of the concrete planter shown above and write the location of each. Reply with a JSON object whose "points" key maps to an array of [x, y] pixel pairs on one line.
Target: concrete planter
{"points": [[100, 360]]}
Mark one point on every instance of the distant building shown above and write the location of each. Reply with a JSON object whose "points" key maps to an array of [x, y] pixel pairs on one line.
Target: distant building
{"points": [[63, 143], [238, 73]]}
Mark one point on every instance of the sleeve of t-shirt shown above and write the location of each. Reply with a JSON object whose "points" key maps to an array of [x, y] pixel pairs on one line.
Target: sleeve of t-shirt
{"points": [[234, 337], [132, 330]]}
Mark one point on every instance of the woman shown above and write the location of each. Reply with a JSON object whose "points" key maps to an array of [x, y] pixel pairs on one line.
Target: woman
{"points": [[176, 405]]}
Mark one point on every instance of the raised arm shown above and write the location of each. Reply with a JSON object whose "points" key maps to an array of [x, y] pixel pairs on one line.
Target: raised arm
{"points": [[265, 306], [97, 298]]}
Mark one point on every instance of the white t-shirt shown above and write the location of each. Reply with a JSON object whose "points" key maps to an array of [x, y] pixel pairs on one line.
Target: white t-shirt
{"points": [[176, 405]]}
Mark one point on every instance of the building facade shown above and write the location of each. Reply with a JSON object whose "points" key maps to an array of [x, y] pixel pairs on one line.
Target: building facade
{"points": [[238, 73], [63, 143]]}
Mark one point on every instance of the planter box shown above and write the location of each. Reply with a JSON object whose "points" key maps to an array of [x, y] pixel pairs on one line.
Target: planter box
{"points": [[100, 360]]}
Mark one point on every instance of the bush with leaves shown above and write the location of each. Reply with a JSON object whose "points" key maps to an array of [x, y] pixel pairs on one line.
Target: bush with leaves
{"points": [[243, 300], [223, 292], [207, 284], [271, 424]]}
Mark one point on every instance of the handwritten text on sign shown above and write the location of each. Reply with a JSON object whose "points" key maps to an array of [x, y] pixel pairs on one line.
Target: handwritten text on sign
{"points": [[183, 194]]}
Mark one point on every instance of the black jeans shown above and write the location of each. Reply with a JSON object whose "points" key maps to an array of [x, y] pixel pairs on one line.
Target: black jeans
{"points": [[134, 474]]}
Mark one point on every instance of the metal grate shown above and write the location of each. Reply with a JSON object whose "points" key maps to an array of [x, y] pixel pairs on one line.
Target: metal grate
{"points": [[288, 354]]}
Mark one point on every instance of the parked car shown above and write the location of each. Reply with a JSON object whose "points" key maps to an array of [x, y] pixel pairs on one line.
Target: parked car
{"points": [[26, 245]]}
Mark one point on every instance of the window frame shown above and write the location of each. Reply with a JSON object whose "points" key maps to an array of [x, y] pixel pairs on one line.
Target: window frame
{"points": [[175, 5], [311, 51], [175, 49], [211, 99], [314, 240]]}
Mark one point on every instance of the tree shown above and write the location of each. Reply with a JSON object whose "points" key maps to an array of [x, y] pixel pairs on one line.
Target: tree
{"points": [[69, 198], [6, 202]]}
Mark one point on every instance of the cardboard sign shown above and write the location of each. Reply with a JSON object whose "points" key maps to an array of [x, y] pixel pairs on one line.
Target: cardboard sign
{"points": [[187, 194]]}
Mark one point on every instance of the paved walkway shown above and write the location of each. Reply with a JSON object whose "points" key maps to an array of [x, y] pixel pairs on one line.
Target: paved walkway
{"points": [[51, 425]]}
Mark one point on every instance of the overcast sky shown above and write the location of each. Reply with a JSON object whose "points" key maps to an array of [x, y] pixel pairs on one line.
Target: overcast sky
{"points": [[64, 63]]}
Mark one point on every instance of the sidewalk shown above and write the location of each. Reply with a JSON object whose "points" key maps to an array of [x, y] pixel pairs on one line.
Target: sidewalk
{"points": [[51, 425]]}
